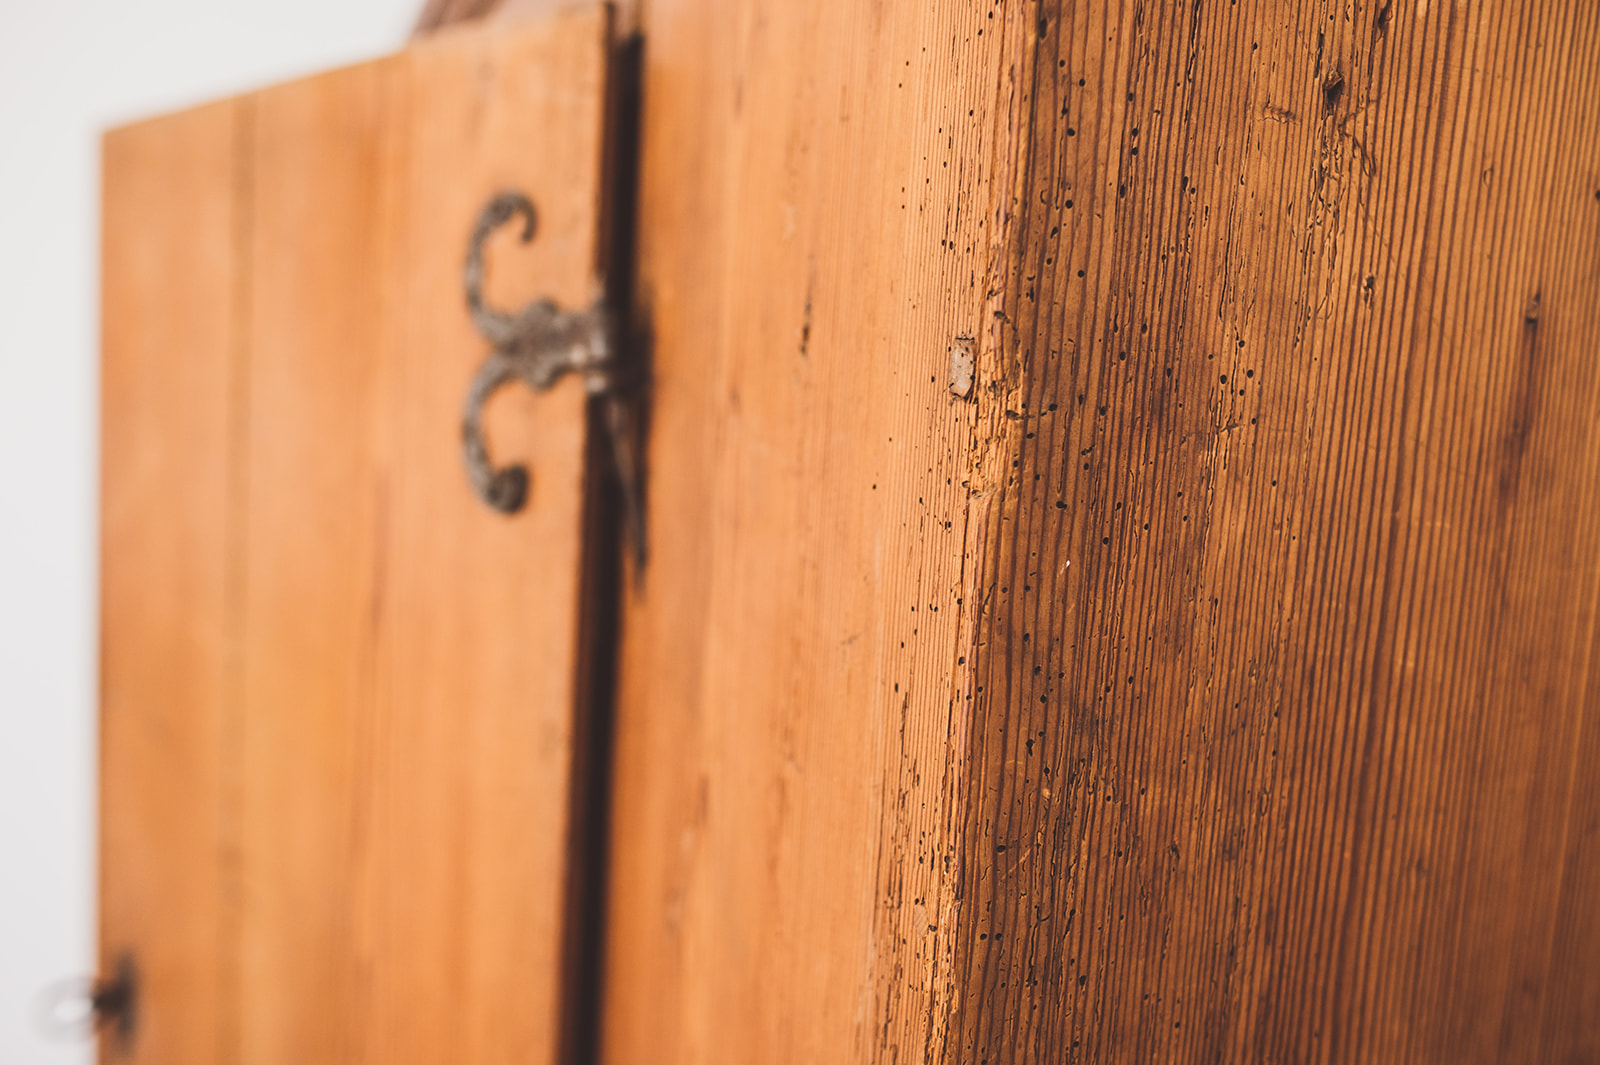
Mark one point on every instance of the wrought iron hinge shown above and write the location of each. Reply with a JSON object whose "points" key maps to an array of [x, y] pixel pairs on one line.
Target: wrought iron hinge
{"points": [[539, 345]]}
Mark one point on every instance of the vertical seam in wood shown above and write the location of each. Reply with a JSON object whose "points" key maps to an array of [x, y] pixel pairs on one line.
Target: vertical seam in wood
{"points": [[600, 575]]}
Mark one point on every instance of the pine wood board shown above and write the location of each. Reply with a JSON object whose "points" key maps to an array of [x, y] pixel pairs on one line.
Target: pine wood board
{"points": [[381, 841], [816, 228], [1297, 746]]}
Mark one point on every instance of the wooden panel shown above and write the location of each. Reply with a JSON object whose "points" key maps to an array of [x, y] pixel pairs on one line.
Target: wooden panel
{"points": [[400, 758], [816, 230], [168, 591], [1290, 763], [411, 682], [1216, 684]]}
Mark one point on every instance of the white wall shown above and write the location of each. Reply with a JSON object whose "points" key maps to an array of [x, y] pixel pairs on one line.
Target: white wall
{"points": [[68, 69]]}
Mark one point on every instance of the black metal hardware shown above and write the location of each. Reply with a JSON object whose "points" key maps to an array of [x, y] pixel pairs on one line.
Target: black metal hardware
{"points": [[538, 345], [81, 1008]]}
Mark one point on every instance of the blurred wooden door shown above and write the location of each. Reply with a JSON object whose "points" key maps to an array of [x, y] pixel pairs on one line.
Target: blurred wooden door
{"points": [[339, 693]]}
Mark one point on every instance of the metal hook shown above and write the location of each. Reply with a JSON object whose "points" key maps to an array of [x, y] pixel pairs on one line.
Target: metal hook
{"points": [[538, 345]]}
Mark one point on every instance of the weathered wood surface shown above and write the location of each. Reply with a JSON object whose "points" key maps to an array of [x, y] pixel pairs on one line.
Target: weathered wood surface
{"points": [[1285, 320], [340, 691], [1295, 761]]}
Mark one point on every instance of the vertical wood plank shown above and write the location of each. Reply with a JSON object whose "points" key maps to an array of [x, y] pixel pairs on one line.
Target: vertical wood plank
{"points": [[411, 682], [314, 606], [487, 610], [1285, 764], [168, 599], [816, 230]]}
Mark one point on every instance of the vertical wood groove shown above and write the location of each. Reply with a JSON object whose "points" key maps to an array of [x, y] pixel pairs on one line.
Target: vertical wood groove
{"points": [[1386, 776]]}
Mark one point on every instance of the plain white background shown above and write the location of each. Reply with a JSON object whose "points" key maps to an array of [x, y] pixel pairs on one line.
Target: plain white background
{"points": [[69, 69]]}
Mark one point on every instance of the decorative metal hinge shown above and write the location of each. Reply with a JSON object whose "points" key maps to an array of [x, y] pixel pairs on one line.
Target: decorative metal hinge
{"points": [[539, 345]]}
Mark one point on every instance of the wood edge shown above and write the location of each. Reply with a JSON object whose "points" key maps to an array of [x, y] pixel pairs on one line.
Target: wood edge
{"points": [[442, 15]]}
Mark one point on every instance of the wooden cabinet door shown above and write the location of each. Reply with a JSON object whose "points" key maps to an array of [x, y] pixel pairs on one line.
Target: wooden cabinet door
{"points": [[339, 693]]}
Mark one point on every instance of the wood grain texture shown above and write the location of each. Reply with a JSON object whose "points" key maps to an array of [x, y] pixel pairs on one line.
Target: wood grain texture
{"points": [[396, 755], [1217, 684], [816, 227], [1292, 763], [168, 586]]}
